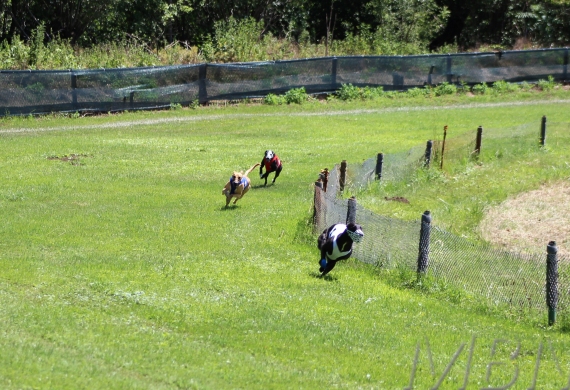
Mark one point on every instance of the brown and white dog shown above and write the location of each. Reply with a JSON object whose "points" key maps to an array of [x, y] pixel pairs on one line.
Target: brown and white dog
{"points": [[271, 163], [237, 186]]}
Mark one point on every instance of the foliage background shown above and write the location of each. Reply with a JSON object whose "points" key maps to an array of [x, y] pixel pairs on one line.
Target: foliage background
{"points": [[153, 32]]}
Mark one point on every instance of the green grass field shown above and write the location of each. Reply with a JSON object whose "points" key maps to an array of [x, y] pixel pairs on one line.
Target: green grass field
{"points": [[121, 269]]}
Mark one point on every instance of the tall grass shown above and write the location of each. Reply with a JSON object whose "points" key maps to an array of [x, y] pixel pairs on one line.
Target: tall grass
{"points": [[233, 41]]}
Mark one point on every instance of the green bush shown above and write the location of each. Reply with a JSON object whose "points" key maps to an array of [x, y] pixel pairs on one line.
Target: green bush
{"points": [[296, 95], [504, 87], [370, 93], [274, 100], [480, 89], [445, 89], [348, 92], [546, 85], [417, 92]]}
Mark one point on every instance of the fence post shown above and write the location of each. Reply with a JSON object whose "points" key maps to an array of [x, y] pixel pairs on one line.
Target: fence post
{"points": [[351, 210], [477, 150], [448, 70], [73, 89], [342, 178], [423, 256], [429, 80], [202, 92], [324, 177], [427, 157], [551, 281], [333, 73], [565, 68], [379, 163], [318, 206], [543, 131], [443, 146]]}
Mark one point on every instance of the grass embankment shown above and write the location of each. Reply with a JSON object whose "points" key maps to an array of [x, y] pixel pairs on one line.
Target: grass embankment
{"points": [[121, 269]]}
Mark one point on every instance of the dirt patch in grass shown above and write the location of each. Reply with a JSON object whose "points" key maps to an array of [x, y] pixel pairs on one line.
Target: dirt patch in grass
{"points": [[73, 159], [532, 219]]}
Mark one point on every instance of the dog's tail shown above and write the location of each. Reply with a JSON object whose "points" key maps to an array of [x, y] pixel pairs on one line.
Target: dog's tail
{"points": [[251, 169]]}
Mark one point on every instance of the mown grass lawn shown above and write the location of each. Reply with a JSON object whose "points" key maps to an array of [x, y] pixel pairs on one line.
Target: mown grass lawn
{"points": [[121, 269]]}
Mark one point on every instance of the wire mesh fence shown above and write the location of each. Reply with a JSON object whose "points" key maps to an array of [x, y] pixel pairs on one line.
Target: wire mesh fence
{"points": [[102, 90], [501, 277]]}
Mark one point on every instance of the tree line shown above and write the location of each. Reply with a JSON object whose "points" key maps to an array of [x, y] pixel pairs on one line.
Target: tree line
{"points": [[382, 26]]}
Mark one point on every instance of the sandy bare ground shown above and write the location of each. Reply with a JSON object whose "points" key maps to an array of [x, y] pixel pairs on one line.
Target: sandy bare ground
{"points": [[527, 222]]}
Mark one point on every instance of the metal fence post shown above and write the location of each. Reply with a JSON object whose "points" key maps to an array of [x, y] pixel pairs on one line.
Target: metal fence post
{"points": [[351, 210], [202, 92], [342, 178], [429, 80], [427, 157], [379, 163], [565, 68], [543, 131], [73, 89], [551, 281], [423, 256], [448, 70], [333, 73], [478, 140]]}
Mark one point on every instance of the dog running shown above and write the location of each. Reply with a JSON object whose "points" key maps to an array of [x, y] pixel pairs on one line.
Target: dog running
{"points": [[271, 163], [335, 244], [237, 186]]}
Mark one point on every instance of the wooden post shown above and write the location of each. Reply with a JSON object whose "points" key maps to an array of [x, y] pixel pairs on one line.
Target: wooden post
{"points": [[379, 163], [477, 150], [427, 156], [351, 211], [443, 146], [324, 177], [543, 131], [551, 281], [318, 206], [423, 255], [342, 178]]}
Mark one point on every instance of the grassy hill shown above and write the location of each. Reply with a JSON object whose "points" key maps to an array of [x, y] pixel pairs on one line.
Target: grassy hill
{"points": [[121, 269]]}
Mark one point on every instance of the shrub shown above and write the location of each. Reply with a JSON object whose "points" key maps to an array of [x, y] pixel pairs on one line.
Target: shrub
{"points": [[371, 93], [296, 95], [546, 85], [417, 92], [504, 87], [349, 92], [480, 89], [445, 89], [274, 100]]}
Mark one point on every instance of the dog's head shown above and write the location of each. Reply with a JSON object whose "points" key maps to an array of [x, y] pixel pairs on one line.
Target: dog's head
{"points": [[236, 177], [355, 232], [269, 154]]}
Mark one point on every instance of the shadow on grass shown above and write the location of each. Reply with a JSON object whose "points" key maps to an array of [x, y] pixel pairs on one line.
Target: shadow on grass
{"points": [[229, 207], [327, 277], [260, 186]]}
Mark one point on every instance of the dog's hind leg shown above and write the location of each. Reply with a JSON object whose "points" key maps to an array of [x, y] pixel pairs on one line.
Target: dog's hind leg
{"points": [[277, 172]]}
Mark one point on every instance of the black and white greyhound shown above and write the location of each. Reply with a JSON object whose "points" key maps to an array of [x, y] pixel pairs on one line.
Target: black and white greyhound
{"points": [[271, 163], [335, 244]]}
